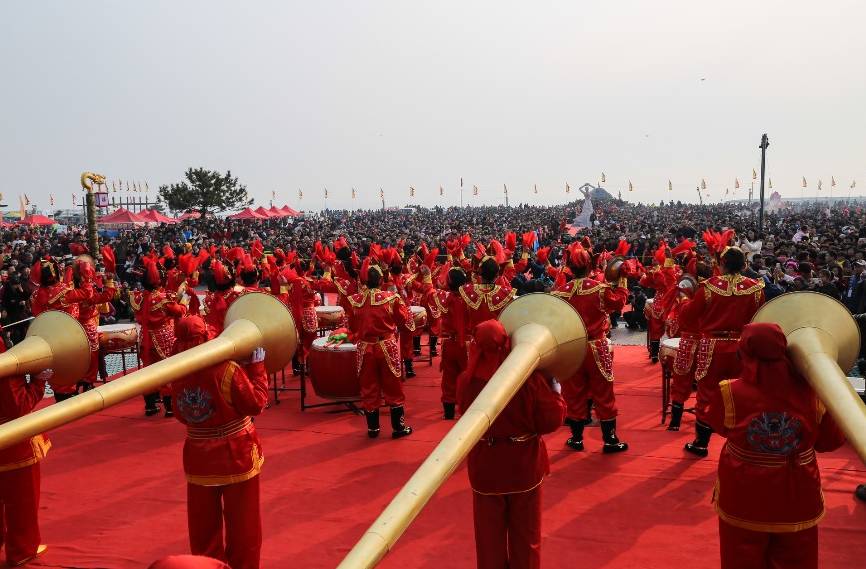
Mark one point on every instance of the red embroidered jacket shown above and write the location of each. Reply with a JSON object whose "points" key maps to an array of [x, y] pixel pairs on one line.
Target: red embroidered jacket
{"points": [[594, 301], [484, 302], [724, 303], [18, 398], [222, 446]]}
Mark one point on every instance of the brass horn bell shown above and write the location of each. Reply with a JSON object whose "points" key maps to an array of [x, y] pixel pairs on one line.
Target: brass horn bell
{"points": [[56, 341], [823, 340], [253, 320]]}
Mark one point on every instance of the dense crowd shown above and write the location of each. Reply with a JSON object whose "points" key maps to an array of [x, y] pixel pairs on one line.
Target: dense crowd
{"points": [[813, 247]]}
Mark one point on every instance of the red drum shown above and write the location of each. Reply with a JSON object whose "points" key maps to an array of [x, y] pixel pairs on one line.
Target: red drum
{"points": [[329, 317], [334, 370], [419, 315], [114, 337]]}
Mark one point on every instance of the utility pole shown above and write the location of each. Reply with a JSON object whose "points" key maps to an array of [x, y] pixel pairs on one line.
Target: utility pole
{"points": [[765, 143], [505, 188]]}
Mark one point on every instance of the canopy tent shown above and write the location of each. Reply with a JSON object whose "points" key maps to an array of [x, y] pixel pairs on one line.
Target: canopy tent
{"points": [[264, 212], [290, 211], [123, 216], [247, 214], [189, 215], [157, 217], [36, 219], [277, 212]]}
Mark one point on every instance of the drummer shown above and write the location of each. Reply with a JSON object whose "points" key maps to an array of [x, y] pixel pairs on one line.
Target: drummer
{"points": [[373, 321], [88, 313]]}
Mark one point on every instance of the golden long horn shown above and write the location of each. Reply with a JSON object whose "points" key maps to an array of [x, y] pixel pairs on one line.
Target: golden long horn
{"points": [[54, 340], [823, 340], [547, 333], [254, 320]]}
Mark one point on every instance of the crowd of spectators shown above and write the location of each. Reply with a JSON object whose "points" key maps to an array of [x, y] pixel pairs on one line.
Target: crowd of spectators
{"points": [[820, 247]]}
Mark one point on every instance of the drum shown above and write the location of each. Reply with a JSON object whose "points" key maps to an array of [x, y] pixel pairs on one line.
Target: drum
{"points": [[334, 370], [668, 349], [419, 315], [116, 337], [329, 316]]}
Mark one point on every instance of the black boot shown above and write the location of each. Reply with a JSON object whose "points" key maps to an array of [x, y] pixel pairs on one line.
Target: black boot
{"points": [[575, 442], [59, 397], [589, 420], [410, 371], [398, 423], [699, 446], [611, 441], [372, 423], [434, 341], [654, 350], [166, 401], [296, 366], [416, 345], [150, 404], [448, 409], [84, 386], [676, 416]]}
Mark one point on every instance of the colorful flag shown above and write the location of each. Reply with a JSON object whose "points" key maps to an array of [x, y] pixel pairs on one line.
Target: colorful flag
{"points": [[754, 174], [51, 199], [474, 190], [736, 183], [832, 182], [703, 184], [670, 186], [603, 179], [630, 186], [567, 188], [804, 182], [411, 192], [353, 193], [819, 185]]}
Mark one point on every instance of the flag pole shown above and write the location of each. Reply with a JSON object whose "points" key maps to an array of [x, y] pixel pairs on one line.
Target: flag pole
{"points": [[765, 143]]}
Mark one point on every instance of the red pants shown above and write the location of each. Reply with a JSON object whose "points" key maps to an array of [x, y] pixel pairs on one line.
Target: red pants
{"points": [[378, 381], [238, 505], [589, 383], [723, 365], [19, 506], [746, 549], [453, 362], [90, 376], [508, 530], [406, 344]]}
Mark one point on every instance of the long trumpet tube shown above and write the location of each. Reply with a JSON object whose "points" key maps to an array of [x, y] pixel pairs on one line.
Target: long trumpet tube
{"points": [[556, 341], [254, 320], [54, 340], [823, 340]]}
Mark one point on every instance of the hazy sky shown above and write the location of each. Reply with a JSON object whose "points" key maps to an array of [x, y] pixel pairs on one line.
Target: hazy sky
{"points": [[319, 94]]}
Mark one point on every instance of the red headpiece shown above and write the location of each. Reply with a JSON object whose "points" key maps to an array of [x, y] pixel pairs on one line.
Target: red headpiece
{"points": [[511, 241], [578, 256], [529, 239]]}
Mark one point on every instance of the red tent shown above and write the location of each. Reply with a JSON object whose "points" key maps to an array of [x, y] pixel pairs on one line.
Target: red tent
{"points": [[123, 216], [157, 217], [247, 214], [263, 212], [289, 211], [277, 212], [36, 219], [189, 215]]}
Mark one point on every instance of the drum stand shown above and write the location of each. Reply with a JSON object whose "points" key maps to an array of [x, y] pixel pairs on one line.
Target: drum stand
{"points": [[421, 358], [282, 386], [349, 404]]}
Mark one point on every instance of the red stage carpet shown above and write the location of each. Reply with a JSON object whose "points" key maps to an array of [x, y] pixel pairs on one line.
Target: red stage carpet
{"points": [[113, 490]]}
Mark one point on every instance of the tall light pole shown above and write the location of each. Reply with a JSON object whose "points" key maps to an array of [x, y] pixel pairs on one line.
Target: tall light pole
{"points": [[765, 143]]}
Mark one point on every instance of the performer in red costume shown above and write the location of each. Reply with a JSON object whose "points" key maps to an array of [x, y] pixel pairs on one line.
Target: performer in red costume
{"points": [[594, 301], [57, 293], [662, 277], [485, 301], [222, 455], [684, 361], [402, 283], [508, 465], [452, 332], [720, 308], [373, 322], [156, 314], [220, 282], [768, 495], [19, 473], [299, 292], [88, 316]]}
